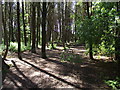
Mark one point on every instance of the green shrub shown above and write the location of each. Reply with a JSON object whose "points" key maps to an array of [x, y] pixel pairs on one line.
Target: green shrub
{"points": [[54, 46], [115, 84], [106, 49], [14, 47], [70, 57], [2, 47]]}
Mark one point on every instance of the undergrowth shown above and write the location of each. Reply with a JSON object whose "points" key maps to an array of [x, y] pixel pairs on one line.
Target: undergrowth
{"points": [[70, 57], [14, 47], [115, 83]]}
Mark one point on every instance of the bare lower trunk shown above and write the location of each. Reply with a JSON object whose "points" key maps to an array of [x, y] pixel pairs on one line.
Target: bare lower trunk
{"points": [[33, 28], [44, 30], [18, 22], [90, 51], [25, 40]]}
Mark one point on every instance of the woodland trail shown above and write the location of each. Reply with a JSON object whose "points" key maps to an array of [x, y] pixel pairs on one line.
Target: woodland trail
{"points": [[35, 72]]}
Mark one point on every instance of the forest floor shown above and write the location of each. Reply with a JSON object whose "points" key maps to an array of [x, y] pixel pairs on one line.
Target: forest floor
{"points": [[53, 72]]}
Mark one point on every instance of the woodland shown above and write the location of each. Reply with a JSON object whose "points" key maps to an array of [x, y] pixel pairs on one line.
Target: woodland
{"points": [[60, 45]]}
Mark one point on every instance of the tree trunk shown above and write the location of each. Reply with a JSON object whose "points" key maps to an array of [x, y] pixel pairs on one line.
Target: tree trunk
{"points": [[25, 40], [18, 24], [1, 30], [4, 18], [4, 24], [75, 22], [63, 26], [29, 20], [2, 62], [33, 23], [49, 24], [90, 43], [54, 19], [44, 12], [38, 24], [11, 22], [59, 19], [10, 15]]}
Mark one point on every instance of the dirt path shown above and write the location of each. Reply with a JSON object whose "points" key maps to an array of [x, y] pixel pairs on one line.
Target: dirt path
{"points": [[35, 72]]}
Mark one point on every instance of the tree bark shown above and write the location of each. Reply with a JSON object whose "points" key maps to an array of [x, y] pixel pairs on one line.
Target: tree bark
{"points": [[33, 23], [38, 24], [63, 26], [19, 34], [44, 12], [4, 18], [25, 40], [59, 19], [90, 43], [10, 15], [75, 22]]}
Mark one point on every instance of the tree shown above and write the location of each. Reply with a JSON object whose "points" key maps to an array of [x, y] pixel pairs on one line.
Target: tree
{"points": [[10, 26], [5, 31], [44, 13], [4, 65], [25, 40], [19, 33], [90, 43], [75, 21], [50, 25], [38, 24], [63, 26], [59, 19], [33, 27], [1, 31]]}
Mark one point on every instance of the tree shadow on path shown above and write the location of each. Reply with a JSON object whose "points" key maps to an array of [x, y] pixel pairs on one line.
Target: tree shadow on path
{"points": [[58, 78], [18, 81]]}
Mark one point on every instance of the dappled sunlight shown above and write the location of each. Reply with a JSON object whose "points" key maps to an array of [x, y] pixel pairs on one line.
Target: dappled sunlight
{"points": [[60, 45], [104, 59], [70, 72], [83, 66], [35, 74]]}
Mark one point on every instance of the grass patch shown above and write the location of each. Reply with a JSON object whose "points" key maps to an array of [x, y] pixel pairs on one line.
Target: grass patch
{"points": [[2, 47], [14, 47], [70, 57], [115, 84], [54, 46]]}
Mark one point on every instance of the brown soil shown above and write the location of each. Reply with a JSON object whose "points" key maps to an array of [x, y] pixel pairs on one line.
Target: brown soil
{"points": [[35, 72]]}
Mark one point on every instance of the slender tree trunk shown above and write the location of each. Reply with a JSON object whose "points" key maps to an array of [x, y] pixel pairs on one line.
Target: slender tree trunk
{"points": [[33, 25], [49, 24], [18, 24], [59, 18], [25, 40], [75, 22], [29, 20], [90, 43], [4, 18], [63, 26], [4, 65], [12, 36], [1, 30], [10, 22], [4, 24], [54, 19], [38, 24], [44, 12]]}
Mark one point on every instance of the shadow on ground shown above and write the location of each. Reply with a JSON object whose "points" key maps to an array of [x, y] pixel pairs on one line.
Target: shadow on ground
{"points": [[87, 74]]}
